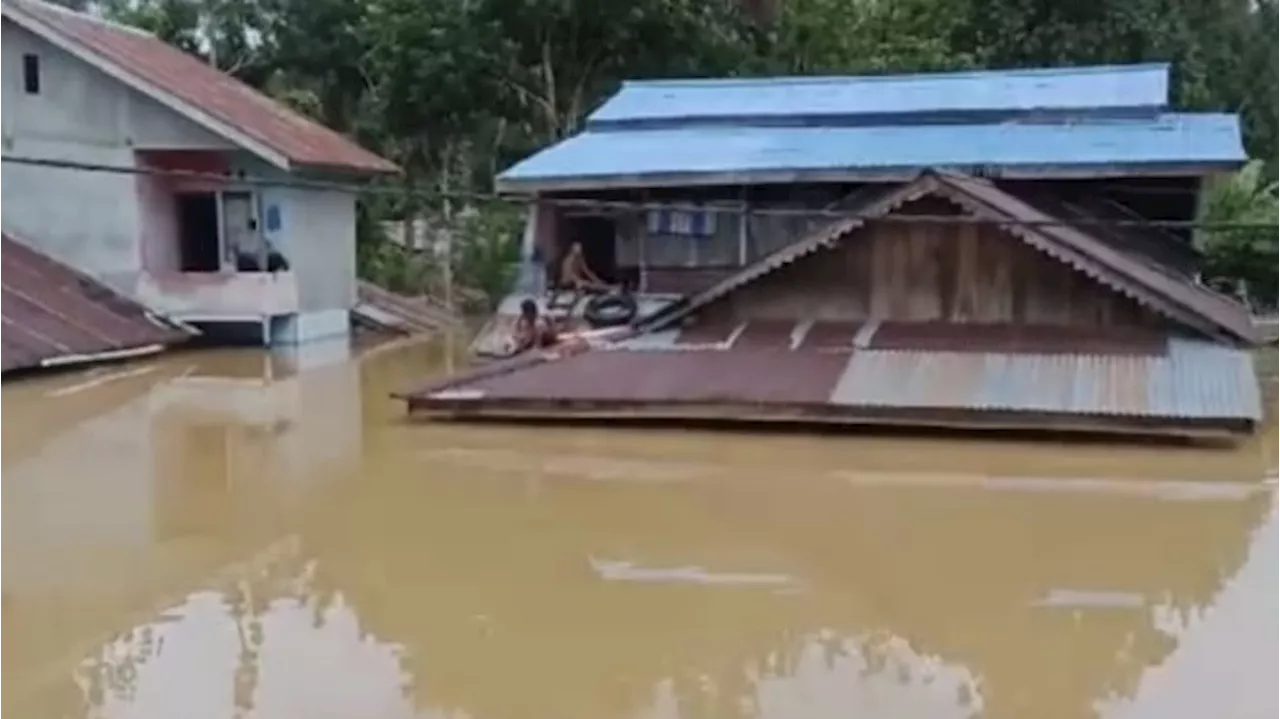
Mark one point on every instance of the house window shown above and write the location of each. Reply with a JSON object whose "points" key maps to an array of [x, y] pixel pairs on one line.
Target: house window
{"points": [[31, 73], [219, 231], [682, 222], [683, 238]]}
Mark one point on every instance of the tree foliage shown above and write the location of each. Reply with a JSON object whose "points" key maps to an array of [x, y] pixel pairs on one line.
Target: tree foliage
{"points": [[1245, 256], [454, 90]]}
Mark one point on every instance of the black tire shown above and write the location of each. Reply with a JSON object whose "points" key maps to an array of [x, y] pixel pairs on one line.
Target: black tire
{"points": [[610, 310]]}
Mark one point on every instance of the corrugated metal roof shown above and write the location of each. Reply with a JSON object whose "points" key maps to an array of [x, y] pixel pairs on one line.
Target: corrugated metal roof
{"points": [[753, 376], [1143, 86], [395, 311], [1194, 380], [691, 156], [54, 314]]}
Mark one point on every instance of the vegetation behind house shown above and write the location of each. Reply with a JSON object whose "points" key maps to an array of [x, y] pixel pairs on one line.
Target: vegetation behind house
{"points": [[454, 90]]}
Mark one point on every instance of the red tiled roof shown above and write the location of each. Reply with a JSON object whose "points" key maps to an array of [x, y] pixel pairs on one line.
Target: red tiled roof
{"points": [[51, 312], [172, 71]]}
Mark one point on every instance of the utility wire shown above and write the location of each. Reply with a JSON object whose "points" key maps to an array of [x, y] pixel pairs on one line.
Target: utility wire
{"points": [[734, 207]]}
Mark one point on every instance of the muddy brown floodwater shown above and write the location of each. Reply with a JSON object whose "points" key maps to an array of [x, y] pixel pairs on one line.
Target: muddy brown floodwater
{"points": [[224, 534]]}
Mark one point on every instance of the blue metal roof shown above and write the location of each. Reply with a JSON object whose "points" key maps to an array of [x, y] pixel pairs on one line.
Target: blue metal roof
{"points": [[821, 100], [1172, 143]]}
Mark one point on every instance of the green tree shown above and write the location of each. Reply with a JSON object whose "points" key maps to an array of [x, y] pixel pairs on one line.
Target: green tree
{"points": [[835, 36], [225, 33], [559, 58], [487, 250], [319, 51], [1243, 255]]}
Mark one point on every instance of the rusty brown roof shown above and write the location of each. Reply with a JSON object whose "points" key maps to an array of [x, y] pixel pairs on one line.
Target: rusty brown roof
{"points": [[403, 313], [172, 72], [914, 368], [1160, 289], [749, 376], [56, 315]]}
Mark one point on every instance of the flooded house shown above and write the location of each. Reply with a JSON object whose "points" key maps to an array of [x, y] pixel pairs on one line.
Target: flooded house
{"points": [[993, 249], [172, 183]]}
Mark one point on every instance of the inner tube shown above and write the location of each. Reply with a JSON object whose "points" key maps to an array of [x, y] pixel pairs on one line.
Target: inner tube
{"points": [[610, 310]]}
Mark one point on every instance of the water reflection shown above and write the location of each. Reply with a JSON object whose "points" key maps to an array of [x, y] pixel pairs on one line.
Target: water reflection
{"points": [[267, 647], [124, 489], [229, 534]]}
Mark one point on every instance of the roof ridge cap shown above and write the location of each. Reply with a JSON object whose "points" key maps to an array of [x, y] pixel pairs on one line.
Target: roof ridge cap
{"points": [[888, 77]]}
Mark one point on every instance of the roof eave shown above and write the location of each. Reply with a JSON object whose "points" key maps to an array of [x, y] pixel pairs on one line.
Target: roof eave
{"points": [[120, 74], [378, 167], [505, 183]]}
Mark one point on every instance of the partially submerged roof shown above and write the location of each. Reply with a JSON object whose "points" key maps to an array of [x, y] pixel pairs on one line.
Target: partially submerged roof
{"points": [[1192, 375], [55, 316], [401, 313], [195, 90], [1167, 293], [918, 375], [1124, 90], [1064, 123]]}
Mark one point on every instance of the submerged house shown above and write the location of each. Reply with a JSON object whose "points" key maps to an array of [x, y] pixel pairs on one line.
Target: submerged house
{"points": [[959, 250], [173, 183]]}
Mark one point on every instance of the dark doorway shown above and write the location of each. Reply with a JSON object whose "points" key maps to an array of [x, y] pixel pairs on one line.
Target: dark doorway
{"points": [[597, 235], [198, 232]]}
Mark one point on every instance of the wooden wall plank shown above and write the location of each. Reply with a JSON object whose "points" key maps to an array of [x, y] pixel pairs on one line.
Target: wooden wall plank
{"points": [[931, 272]]}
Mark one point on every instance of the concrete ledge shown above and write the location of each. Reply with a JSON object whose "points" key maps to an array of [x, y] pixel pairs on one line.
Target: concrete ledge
{"points": [[304, 327]]}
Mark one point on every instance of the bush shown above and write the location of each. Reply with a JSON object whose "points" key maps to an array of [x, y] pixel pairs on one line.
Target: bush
{"points": [[1244, 255]]}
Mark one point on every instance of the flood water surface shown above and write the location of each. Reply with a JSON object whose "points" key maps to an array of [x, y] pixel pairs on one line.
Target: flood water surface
{"points": [[224, 534]]}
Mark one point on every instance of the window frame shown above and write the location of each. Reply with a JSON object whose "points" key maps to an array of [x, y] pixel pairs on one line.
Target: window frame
{"points": [[31, 73]]}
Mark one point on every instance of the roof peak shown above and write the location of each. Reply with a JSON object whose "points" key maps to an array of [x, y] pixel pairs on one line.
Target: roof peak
{"points": [[711, 82], [1177, 298]]}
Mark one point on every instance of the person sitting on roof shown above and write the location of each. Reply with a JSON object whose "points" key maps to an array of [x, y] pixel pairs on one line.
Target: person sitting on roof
{"points": [[532, 330], [576, 274]]}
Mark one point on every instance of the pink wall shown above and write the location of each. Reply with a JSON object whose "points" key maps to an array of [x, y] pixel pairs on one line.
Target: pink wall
{"points": [[157, 207]]}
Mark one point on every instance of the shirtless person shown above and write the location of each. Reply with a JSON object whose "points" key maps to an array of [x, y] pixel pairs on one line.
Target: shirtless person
{"points": [[531, 330], [576, 274]]}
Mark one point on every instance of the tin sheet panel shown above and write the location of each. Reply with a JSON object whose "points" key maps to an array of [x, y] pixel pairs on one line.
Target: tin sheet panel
{"points": [[1195, 380]]}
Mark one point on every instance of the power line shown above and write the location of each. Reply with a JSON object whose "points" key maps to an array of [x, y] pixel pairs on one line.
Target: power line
{"points": [[598, 204]]}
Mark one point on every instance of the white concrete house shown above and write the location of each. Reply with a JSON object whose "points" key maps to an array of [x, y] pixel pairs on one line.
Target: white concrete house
{"points": [[220, 247]]}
